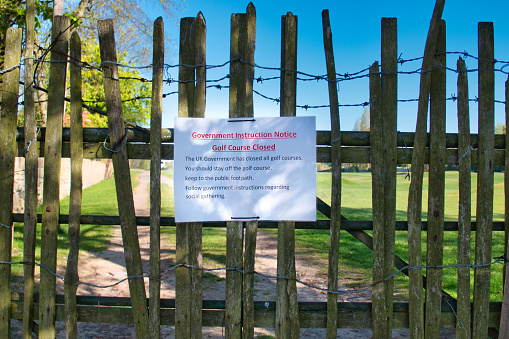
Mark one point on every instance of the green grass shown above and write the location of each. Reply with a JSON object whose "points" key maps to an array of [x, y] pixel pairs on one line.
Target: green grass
{"points": [[356, 195], [355, 259], [99, 199]]}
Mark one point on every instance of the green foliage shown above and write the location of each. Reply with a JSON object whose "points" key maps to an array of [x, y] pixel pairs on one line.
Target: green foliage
{"points": [[12, 14], [500, 128], [135, 94], [363, 123]]}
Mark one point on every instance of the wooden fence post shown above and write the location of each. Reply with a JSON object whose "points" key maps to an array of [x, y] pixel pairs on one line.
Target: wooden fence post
{"points": [[31, 167], [504, 317], [436, 189], [118, 139], [186, 107], [239, 312], [389, 87], [155, 180], [287, 310], [416, 316], [71, 273], [464, 214], [484, 213], [332, 298], [188, 298], [52, 158], [380, 315], [248, 316], [8, 131]]}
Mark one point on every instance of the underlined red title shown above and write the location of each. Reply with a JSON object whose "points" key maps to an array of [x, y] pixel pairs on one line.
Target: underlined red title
{"points": [[244, 148], [244, 135]]}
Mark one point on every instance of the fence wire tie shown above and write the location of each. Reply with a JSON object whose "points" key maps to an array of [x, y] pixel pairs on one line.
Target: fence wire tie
{"points": [[445, 298], [406, 147], [470, 149], [3, 225], [114, 149], [33, 140], [10, 69]]}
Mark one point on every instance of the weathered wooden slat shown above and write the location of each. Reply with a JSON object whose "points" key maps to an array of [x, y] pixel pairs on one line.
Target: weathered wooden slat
{"points": [[31, 168], [389, 86], [154, 320], [71, 272], [287, 313], [122, 176], [248, 288], [195, 232], [8, 120], [186, 105], [380, 315], [416, 315], [234, 230], [464, 213], [189, 235], [484, 212], [52, 157], [332, 299], [504, 319], [436, 189]]}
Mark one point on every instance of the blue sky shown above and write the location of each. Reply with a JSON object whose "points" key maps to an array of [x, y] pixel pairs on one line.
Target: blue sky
{"points": [[356, 40]]}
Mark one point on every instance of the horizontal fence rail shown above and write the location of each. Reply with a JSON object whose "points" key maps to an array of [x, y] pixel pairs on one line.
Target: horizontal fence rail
{"points": [[354, 146], [347, 225], [350, 315]]}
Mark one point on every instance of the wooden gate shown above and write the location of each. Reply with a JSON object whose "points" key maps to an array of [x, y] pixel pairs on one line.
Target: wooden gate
{"points": [[384, 148]]}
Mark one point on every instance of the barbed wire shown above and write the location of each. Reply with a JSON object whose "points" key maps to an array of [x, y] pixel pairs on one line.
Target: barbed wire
{"points": [[498, 260], [307, 76], [302, 76]]}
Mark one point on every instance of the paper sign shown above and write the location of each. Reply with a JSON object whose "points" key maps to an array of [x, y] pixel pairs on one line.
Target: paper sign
{"points": [[245, 169]]}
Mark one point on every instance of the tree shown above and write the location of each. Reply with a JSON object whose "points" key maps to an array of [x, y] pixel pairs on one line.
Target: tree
{"points": [[135, 93], [12, 14], [500, 128], [133, 26], [363, 123], [133, 30]]}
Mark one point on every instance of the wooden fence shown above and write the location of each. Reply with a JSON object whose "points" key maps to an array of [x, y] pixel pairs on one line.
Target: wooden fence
{"points": [[383, 147]]}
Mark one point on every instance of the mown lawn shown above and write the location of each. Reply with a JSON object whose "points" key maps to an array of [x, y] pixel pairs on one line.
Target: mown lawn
{"points": [[99, 199], [356, 205], [355, 258]]}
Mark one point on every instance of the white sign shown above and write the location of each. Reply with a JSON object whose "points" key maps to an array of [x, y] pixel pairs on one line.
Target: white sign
{"points": [[245, 169]]}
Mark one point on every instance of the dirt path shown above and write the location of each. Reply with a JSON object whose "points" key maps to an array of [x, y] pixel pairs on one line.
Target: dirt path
{"points": [[108, 267]]}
